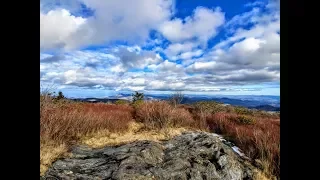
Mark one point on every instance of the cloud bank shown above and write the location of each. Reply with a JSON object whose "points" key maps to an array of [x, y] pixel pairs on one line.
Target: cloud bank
{"points": [[147, 46]]}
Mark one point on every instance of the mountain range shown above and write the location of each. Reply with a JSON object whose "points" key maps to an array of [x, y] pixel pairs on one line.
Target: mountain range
{"points": [[267, 103]]}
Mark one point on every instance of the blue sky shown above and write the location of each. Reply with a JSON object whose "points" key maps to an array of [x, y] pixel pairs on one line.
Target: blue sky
{"points": [[101, 48]]}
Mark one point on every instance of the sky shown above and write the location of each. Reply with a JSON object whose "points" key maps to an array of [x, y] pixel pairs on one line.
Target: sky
{"points": [[104, 47]]}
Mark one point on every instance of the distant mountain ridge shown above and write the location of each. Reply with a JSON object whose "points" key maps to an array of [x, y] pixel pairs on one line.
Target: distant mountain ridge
{"points": [[267, 103], [266, 108]]}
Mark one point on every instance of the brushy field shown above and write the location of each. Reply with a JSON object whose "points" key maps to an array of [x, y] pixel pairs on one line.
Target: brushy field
{"points": [[64, 123], [258, 138]]}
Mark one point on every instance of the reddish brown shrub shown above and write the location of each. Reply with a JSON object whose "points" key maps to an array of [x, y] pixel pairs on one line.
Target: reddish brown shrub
{"points": [[66, 122], [160, 114], [259, 141]]}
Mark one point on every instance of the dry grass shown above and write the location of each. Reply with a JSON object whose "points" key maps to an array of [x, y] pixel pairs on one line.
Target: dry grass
{"points": [[160, 114], [106, 138], [260, 140], [260, 176], [66, 122], [49, 152]]}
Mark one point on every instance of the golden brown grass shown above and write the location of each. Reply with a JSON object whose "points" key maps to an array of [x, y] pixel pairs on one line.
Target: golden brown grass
{"points": [[138, 132], [258, 175], [49, 152]]}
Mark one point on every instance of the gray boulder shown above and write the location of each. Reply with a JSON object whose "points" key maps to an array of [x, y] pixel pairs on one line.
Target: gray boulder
{"points": [[192, 155]]}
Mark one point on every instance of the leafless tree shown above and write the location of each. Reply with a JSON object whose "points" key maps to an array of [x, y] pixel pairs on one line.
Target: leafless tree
{"points": [[176, 98]]}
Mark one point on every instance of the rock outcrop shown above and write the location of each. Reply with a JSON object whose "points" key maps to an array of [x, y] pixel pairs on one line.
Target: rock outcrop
{"points": [[192, 155]]}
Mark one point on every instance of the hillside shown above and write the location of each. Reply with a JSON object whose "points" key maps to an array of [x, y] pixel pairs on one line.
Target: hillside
{"points": [[65, 124], [266, 108]]}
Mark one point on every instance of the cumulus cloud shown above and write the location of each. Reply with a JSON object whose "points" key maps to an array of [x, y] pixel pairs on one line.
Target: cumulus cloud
{"points": [[249, 76], [209, 67], [82, 77], [124, 21], [177, 48], [131, 59], [188, 55], [202, 25], [51, 59], [262, 25], [254, 53], [85, 77], [250, 53], [248, 56], [56, 27], [165, 86], [167, 66]]}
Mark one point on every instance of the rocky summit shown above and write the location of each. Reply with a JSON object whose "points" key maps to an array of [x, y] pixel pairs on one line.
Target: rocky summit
{"points": [[192, 155]]}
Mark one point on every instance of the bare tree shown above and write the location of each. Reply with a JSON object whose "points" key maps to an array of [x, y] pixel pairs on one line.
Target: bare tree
{"points": [[47, 90], [176, 98]]}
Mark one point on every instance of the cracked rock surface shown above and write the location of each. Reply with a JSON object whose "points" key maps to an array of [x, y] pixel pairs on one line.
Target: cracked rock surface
{"points": [[192, 155]]}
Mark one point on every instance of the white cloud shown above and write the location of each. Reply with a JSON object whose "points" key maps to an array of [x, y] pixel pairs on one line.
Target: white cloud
{"points": [[70, 76], [124, 21], [162, 85], [87, 77], [132, 81], [202, 25], [243, 19], [188, 55], [56, 26], [177, 48], [248, 45], [274, 4], [250, 53], [203, 65], [136, 49], [118, 69], [256, 3], [264, 24], [138, 81], [254, 53], [136, 60], [211, 67], [256, 32], [187, 62], [248, 76], [248, 56], [167, 66]]}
